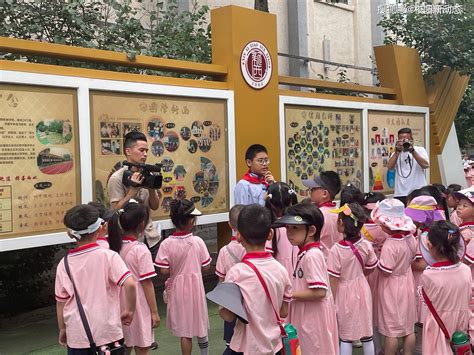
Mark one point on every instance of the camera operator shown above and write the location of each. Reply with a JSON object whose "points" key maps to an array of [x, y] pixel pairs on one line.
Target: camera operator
{"points": [[136, 149], [409, 161]]}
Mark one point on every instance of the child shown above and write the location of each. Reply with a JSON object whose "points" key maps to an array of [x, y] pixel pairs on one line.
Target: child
{"points": [[124, 226], [396, 290], [452, 203], [183, 256], [446, 284], [465, 211], [349, 261], [253, 186], [98, 275], [350, 193], [324, 189], [262, 334], [374, 234], [229, 255], [278, 199], [312, 298], [423, 211]]}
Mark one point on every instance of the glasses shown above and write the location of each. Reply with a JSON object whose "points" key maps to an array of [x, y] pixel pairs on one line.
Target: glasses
{"points": [[263, 161]]}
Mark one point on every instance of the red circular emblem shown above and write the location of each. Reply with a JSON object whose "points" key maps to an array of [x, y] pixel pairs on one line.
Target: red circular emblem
{"points": [[256, 65]]}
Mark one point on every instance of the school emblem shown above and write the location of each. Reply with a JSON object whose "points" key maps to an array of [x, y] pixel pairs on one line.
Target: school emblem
{"points": [[256, 65]]}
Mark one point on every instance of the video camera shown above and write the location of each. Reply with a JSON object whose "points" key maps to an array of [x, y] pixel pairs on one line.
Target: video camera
{"points": [[151, 174]]}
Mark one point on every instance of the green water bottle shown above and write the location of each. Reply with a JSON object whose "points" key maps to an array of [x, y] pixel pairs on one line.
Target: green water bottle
{"points": [[461, 344], [291, 343]]}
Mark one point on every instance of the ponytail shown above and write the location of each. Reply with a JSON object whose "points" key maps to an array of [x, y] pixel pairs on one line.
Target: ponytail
{"points": [[114, 231]]}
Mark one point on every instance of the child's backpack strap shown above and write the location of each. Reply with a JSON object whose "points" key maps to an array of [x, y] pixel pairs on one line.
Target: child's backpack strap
{"points": [[264, 285], [436, 316], [356, 253], [232, 255]]}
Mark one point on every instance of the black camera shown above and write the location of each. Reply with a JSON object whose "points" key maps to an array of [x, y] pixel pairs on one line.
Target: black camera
{"points": [[152, 177], [406, 145]]}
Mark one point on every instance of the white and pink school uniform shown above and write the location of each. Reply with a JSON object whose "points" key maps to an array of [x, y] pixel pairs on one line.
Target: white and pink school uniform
{"points": [[262, 334], [329, 233], [353, 297], [229, 255], [396, 288], [447, 285], [185, 255], [469, 260], [98, 274], [287, 253], [467, 230], [417, 277], [374, 234], [138, 259], [103, 242], [315, 321]]}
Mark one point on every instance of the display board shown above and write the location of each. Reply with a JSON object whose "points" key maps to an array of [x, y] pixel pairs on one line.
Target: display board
{"points": [[187, 135], [319, 139], [382, 135], [39, 175]]}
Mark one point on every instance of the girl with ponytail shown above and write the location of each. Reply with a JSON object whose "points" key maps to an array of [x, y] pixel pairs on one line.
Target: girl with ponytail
{"points": [[124, 228]]}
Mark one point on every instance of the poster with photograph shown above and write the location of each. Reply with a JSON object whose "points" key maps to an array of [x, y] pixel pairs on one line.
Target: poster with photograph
{"points": [[320, 139], [39, 172], [382, 135], [185, 135]]}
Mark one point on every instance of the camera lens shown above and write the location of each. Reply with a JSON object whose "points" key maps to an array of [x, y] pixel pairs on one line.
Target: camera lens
{"points": [[406, 146]]}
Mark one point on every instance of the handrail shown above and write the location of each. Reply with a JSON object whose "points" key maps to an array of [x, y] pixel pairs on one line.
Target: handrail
{"points": [[315, 83], [20, 46]]}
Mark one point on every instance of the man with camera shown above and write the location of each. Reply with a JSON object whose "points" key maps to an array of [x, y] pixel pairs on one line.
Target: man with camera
{"points": [[136, 180], [409, 162]]}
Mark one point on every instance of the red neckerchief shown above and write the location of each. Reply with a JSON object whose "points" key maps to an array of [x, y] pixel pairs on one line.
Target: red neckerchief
{"points": [[84, 247], [443, 263], [345, 244], [327, 204], [255, 179], [466, 225], [309, 246], [256, 255]]}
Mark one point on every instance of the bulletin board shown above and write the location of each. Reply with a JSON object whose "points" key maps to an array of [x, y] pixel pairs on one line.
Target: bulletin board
{"points": [[187, 135], [382, 137], [319, 139], [39, 169]]}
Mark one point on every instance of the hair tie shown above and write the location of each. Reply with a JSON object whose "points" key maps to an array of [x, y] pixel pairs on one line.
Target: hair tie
{"points": [[348, 212], [292, 192], [269, 196], [89, 230], [450, 234]]}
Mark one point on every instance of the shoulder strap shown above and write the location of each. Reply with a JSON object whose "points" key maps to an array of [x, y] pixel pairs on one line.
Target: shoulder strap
{"points": [[82, 313], [435, 315], [356, 253], [367, 234], [232, 255], [264, 285]]}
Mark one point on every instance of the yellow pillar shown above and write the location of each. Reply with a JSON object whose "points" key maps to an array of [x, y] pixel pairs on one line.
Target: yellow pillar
{"points": [[256, 110], [400, 68]]}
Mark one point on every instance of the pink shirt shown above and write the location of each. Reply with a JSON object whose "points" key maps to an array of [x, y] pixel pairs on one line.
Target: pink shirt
{"points": [[374, 234], [98, 274], [467, 230], [103, 242], [287, 253], [262, 334], [329, 233], [229, 255]]}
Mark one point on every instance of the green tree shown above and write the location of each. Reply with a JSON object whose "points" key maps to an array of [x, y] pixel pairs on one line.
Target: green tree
{"points": [[442, 40]]}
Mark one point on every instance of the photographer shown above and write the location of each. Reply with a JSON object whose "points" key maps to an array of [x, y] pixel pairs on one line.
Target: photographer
{"points": [[409, 161], [136, 149]]}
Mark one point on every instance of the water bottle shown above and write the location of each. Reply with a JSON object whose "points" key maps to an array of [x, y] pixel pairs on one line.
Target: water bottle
{"points": [[391, 178], [460, 343], [291, 343]]}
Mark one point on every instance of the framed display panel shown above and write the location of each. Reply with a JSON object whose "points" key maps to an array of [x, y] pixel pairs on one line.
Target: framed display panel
{"points": [[39, 158], [289, 106], [79, 90], [319, 139], [186, 135], [382, 138]]}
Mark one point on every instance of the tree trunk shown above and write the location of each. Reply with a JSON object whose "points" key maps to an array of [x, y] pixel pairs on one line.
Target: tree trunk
{"points": [[261, 5]]}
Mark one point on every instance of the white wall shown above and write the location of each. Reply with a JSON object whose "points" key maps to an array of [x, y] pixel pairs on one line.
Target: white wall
{"points": [[450, 161]]}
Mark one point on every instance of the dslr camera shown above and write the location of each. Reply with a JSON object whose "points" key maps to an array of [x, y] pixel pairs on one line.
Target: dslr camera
{"points": [[152, 177], [406, 144]]}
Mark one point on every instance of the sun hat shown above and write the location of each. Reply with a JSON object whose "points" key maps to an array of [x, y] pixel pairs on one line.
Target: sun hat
{"points": [[391, 214], [423, 209], [229, 296], [425, 251], [466, 193]]}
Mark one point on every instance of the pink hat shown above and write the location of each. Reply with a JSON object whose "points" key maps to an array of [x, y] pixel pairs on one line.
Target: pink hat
{"points": [[390, 213], [466, 193], [423, 209]]}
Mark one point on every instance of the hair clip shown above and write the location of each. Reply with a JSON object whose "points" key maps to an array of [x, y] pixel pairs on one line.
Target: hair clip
{"points": [[270, 196], [292, 192]]}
